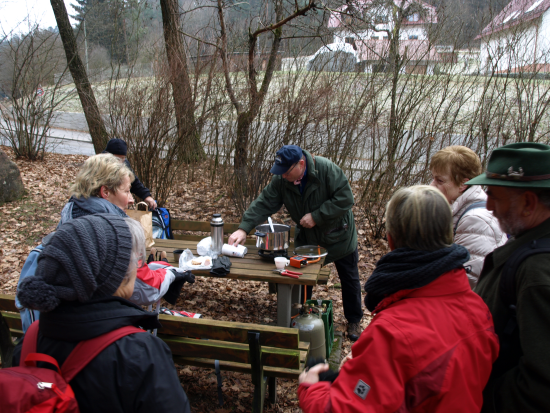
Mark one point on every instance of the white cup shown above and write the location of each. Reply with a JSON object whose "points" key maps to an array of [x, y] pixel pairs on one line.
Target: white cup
{"points": [[281, 262]]}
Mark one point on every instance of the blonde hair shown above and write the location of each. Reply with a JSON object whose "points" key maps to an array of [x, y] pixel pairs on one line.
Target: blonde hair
{"points": [[100, 170], [459, 161], [419, 217]]}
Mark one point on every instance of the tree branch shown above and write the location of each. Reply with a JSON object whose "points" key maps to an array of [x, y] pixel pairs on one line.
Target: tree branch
{"points": [[225, 63], [300, 12]]}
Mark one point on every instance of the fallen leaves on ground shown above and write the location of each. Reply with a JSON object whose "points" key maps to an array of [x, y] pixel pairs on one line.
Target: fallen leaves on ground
{"points": [[47, 182]]}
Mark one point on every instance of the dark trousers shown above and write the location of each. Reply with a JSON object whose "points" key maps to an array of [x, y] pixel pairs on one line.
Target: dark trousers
{"points": [[351, 287]]}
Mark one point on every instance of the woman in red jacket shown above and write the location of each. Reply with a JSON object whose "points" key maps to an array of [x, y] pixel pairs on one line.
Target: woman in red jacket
{"points": [[431, 343]]}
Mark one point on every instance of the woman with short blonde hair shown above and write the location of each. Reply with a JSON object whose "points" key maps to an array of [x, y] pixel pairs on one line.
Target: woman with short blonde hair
{"points": [[430, 345], [419, 210], [102, 186], [100, 170], [474, 226]]}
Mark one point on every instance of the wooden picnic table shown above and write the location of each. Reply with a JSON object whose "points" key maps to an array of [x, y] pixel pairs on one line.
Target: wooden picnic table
{"points": [[254, 268]]}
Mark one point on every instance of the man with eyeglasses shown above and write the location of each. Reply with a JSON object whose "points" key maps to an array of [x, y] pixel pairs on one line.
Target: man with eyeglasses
{"points": [[318, 197]]}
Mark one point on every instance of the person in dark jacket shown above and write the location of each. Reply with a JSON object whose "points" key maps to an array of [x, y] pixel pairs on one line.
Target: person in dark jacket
{"points": [[318, 197], [83, 279], [518, 193], [119, 148]]}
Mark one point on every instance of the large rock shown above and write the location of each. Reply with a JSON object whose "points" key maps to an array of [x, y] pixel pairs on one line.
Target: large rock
{"points": [[11, 184]]}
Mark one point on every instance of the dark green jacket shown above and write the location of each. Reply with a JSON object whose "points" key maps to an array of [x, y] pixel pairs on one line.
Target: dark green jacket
{"points": [[327, 196], [526, 387]]}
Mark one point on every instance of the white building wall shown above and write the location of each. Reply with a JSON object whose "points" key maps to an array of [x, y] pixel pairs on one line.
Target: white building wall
{"points": [[543, 43], [418, 31], [508, 49]]}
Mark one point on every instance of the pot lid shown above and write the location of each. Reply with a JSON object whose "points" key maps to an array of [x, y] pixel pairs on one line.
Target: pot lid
{"points": [[310, 251]]}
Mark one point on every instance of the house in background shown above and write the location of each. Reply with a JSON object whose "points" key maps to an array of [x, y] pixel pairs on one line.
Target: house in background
{"points": [[457, 61], [517, 39], [370, 41]]}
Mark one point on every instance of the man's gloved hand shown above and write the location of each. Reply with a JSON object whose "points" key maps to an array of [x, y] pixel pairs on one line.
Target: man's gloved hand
{"points": [[174, 290]]}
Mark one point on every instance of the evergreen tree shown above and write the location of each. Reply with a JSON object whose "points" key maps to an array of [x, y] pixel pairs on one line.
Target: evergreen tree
{"points": [[105, 25]]}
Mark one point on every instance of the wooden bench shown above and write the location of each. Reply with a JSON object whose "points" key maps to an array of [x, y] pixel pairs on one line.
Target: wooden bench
{"points": [[228, 228], [265, 352]]}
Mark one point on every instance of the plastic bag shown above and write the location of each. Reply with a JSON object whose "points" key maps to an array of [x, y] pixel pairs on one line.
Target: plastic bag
{"points": [[204, 247], [187, 258]]}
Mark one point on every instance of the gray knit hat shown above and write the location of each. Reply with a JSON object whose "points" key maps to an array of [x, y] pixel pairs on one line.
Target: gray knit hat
{"points": [[86, 258]]}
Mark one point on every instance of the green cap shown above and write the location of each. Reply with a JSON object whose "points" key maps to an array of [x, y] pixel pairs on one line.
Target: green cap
{"points": [[518, 165]]}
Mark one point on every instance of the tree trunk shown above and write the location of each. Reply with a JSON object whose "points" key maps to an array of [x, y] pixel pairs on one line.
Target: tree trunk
{"points": [[188, 137], [78, 72]]}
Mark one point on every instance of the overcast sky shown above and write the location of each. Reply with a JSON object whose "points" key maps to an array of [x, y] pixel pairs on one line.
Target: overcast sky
{"points": [[18, 15]]}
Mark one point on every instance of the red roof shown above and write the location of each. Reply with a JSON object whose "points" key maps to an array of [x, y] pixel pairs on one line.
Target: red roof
{"points": [[517, 11]]}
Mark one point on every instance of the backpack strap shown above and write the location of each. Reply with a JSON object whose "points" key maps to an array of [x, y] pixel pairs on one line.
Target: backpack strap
{"points": [[29, 342], [475, 205], [87, 350], [82, 354], [507, 285]]}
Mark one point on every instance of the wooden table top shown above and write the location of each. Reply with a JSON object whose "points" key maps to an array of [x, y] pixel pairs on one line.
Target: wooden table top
{"points": [[251, 267]]}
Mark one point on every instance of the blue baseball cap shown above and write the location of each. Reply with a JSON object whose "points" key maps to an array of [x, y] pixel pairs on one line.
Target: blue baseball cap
{"points": [[287, 156]]}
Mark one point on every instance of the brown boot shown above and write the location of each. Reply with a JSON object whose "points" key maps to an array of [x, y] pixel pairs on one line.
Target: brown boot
{"points": [[354, 331]]}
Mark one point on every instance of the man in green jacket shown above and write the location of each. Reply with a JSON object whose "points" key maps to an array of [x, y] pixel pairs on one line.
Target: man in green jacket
{"points": [[318, 197], [518, 193]]}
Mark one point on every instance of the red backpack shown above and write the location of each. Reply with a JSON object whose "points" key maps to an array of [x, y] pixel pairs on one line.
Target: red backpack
{"points": [[28, 388]]}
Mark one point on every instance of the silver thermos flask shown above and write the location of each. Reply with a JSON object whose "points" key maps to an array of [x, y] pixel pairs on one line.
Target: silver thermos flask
{"points": [[216, 232]]}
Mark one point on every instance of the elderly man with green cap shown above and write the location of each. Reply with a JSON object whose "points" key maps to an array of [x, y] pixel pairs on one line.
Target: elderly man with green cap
{"points": [[515, 280], [318, 197]]}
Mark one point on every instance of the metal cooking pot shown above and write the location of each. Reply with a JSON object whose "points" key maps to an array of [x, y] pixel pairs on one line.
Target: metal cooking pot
{"points": [[272, 241]]}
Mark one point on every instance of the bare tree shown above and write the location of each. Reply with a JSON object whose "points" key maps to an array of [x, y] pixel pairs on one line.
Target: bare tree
{"points": [[83, 86], [247, 109], [179, 78]]}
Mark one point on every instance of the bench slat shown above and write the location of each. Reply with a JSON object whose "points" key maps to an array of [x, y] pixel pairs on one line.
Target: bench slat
{"points": [[12, 320], [273, 336], [234, 352], [241, 367], [201, 226], [304, 346], [7, 303], [228, 227]]}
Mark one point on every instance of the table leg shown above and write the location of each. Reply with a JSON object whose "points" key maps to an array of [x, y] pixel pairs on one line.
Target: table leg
{"points": [[286, 296], [284, 304]]}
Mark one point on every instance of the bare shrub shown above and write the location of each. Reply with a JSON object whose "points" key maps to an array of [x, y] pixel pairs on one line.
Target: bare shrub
{"points": [[28, 64]]}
